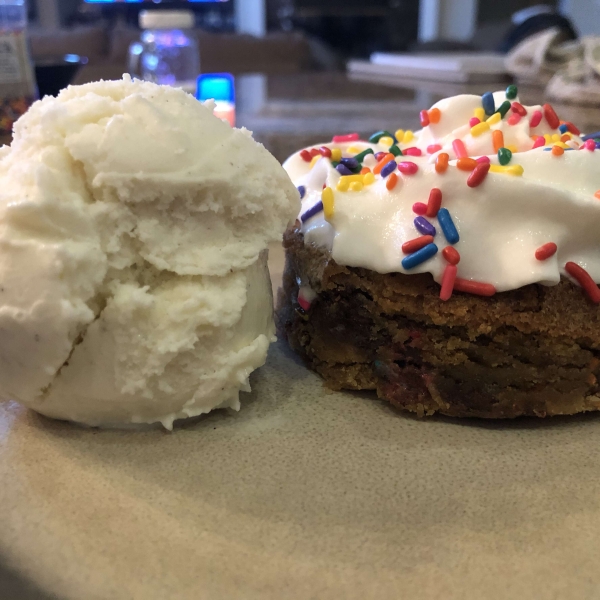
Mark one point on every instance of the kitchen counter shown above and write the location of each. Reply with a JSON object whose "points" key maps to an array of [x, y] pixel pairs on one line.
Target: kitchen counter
{"points": [[292, 111]]}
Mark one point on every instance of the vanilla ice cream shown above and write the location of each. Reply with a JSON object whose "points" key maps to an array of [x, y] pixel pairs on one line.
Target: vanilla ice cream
{"points": [[133, 278]]}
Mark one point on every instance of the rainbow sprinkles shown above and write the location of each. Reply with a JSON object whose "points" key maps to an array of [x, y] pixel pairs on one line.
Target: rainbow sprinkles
{"points": [[389, 203]]}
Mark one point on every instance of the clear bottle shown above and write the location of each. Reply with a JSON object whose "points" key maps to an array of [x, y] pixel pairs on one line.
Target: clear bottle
{"points": [[17, 83], [166, 53]]}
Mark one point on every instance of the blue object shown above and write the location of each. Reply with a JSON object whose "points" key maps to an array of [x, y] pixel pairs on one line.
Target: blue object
{"points": [[343, 169], [389, 168], [591, 136], [563, 128], [311, 212], [301, 191], [487, 101], [217, 87], [424, 226], [140, 1], [447, 225], [351, 163], [420, 256]]}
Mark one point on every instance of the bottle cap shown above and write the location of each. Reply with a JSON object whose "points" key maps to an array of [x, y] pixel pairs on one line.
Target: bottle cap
{"points": [[166, 19]]}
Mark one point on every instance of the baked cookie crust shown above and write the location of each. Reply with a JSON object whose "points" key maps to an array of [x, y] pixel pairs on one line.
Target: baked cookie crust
{"points": [[531, 351]]}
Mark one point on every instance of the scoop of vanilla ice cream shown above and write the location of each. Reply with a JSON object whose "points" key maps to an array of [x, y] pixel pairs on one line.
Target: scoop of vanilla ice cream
{"points": [[133, 278]]}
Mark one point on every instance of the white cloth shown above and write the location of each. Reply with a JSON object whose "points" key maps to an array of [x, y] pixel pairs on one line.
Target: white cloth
{"points": [[536, 59]]}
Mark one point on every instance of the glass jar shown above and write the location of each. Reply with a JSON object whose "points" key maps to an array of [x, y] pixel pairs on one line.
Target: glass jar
{"points": [[167, 53]]}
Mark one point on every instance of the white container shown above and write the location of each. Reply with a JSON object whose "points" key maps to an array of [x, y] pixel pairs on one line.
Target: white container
{"points": [[167, 53]]}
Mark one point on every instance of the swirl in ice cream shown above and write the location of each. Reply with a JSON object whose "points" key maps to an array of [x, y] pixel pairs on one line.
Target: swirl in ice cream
{"points": [[489, 196]]}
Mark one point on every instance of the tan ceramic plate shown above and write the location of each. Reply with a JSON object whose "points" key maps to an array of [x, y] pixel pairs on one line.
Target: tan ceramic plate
{"points": [[303, 494]]}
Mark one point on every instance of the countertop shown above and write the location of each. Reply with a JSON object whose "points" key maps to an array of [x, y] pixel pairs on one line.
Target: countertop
{"points": [[288, 112]]}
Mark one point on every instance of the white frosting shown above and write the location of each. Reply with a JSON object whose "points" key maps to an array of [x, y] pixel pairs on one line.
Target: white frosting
{"points": [[133, 282], [501, 222]]}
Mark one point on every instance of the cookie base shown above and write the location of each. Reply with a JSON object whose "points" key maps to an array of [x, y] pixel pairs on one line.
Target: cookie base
{"points": [[531, 351]]}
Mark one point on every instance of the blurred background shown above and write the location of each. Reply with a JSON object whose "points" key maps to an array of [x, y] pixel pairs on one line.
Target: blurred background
{"points": [[349, 28], [301, 69]]}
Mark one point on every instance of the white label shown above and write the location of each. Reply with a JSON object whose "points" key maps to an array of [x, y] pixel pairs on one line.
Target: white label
{"points": [[10, 72]]}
